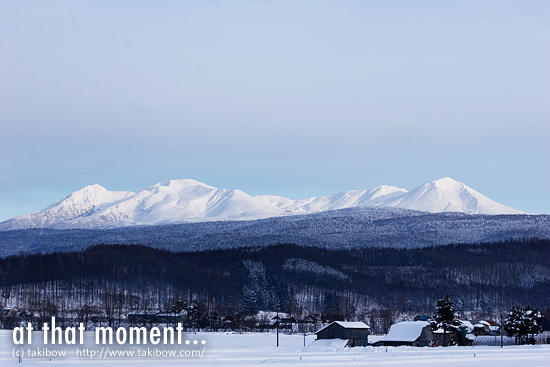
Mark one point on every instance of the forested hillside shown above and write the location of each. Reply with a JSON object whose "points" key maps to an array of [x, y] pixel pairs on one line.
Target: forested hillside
{"points": [[335, 229], [338, 284]]}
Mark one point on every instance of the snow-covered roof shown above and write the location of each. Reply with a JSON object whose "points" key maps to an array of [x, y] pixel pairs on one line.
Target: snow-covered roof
{"points": [[406, 331], [348, 325], [467, 324], [375, 338], [353, 324]]}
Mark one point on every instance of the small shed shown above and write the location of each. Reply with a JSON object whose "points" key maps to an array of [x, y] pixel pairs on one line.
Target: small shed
{"points": [[356, 333], [413, 333]]}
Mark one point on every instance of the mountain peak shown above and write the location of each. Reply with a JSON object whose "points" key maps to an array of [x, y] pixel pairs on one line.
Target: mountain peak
{"points": [[449, 195], [446, 180], [447, 183], [90, 190], [182, 183], [386, 190]]}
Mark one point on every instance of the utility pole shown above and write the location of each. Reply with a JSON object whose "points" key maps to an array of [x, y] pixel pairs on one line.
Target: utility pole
{"points": [[305, 324], [501, 328], [277, 327]]}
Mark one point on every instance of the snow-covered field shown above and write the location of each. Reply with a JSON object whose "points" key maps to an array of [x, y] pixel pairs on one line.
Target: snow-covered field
{"points": [[222, 349]]}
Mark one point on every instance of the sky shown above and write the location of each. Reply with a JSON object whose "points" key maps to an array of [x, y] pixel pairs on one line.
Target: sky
{"points": [[290, 98]]}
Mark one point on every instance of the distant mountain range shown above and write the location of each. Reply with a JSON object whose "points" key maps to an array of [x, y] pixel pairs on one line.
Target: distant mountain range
{"points": [[361, 227], [187, 200]]}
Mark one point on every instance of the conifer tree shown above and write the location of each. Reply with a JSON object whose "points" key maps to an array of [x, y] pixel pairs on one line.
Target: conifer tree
{"points": [[523, 324], [445, 318]]}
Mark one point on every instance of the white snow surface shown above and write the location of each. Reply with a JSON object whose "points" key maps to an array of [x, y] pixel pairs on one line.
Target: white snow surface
{"points": [[221, 349], [448, 195], [405, 331], [467, 324], [321, 345], [189, 200], [90, 199]]}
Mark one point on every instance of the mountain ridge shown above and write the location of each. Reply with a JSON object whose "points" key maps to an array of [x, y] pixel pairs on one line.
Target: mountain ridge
{"points": [[189, 200]]}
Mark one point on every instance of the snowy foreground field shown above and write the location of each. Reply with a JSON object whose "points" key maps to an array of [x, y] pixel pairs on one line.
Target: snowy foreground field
{"points": [[220, 349]]}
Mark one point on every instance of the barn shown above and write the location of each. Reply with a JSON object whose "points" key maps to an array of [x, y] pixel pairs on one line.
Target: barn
{"points": [[414, 333], [356, 333]]}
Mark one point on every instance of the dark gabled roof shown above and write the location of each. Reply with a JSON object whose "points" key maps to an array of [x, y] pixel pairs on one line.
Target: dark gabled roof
{"points": [[347, 325]]}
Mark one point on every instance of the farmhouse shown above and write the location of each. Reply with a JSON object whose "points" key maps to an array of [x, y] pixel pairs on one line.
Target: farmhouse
{"points": [[355, 332], [413, 333]]}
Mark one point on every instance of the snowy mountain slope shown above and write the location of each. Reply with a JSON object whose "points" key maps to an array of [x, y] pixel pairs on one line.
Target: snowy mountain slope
{"points": [[348, 199], [448, 195], [167, 202], [193, 201], [81, 203], [190, 200]]}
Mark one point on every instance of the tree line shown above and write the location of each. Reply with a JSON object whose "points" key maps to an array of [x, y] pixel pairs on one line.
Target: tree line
{"points": [[224, 288]]}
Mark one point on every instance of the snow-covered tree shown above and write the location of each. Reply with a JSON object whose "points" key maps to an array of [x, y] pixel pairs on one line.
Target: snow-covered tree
{"points": [[445, 318], [523, 324], [256, 295]]}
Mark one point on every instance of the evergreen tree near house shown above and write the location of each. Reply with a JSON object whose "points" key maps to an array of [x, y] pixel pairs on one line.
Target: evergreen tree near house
{"points": [[523, 324], [445, 318]]}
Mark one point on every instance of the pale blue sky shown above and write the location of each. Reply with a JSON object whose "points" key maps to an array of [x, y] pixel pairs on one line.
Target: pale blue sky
{"points": [[289, 98]]}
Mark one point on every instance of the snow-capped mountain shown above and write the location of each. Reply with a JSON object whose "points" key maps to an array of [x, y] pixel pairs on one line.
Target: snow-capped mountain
{"points": [[193, 201], [81, 203], [448, 195], [348, 199]]}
